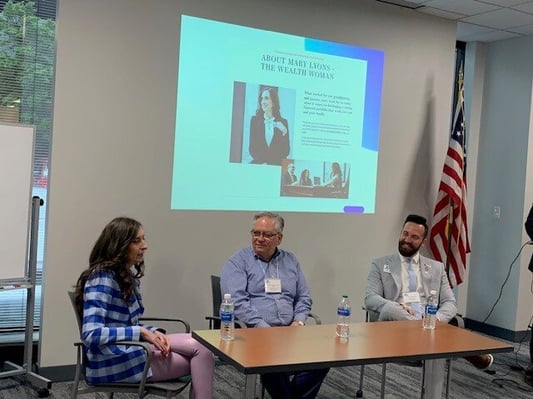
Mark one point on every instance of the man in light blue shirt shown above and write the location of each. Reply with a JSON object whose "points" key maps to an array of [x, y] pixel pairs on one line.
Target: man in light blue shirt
{"points": [[268, 289]]}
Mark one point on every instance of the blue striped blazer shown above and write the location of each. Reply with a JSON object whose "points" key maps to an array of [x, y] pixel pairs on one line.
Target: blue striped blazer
{"points": [[107, 320]]}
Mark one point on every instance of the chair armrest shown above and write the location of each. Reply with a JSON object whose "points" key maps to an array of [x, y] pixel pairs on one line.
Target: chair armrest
{"points": [[240, 324], [315, 318], [146, 347], [148, 350], [457, 321], [370, 315], [185, 324], [213, 319]]}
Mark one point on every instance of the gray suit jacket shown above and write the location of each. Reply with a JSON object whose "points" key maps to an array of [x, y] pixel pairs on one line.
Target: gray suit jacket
{"points": [[384, 283]]}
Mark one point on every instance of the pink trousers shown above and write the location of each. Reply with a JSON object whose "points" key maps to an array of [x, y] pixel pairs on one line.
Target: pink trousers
{"points": [[187, 356]]}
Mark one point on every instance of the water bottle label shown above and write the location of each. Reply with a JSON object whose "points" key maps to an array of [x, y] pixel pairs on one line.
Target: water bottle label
{"points": [[226, 317], [343, 312], [431, 310]]}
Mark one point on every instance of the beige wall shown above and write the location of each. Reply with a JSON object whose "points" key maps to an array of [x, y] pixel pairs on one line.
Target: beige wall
{"points": [[502, 114], [113, 139]]}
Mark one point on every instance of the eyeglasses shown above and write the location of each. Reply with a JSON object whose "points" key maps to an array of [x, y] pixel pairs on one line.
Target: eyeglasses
{"points": [[265, 235]]}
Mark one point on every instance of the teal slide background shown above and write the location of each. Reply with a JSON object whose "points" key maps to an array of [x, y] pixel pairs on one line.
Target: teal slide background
{"points": [[312, 85]]}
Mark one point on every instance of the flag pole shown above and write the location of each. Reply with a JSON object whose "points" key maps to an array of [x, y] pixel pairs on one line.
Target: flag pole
{"points": [[449, 229]]}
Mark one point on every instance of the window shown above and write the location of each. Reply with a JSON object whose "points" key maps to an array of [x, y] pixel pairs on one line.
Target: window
{"points": [[27, 61]]}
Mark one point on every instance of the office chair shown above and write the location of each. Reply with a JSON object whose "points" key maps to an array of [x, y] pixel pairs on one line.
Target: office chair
{"points": [[166, 389], [214, 320], [216, 298], [372, 316]]}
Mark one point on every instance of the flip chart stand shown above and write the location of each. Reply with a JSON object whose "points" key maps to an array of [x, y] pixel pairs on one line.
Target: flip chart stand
{"points": [[28, 283]]}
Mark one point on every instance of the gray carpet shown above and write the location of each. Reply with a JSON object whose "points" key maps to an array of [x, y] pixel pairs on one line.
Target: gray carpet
{"points": [[342, 383]]}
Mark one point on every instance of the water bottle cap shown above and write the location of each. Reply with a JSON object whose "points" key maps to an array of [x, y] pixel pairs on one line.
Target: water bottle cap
{"points": [[227, 296]]}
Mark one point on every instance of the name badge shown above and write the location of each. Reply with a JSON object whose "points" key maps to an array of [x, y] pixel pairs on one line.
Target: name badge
{"points": [[273, 286], [411, 297]]}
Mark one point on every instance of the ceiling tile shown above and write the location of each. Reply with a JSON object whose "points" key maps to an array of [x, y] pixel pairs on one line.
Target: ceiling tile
{"points": [[466, 7], [506, 3], [523, 30], [501, 19], [482, 20], [441, 13], [490, 36], [416, 1]]}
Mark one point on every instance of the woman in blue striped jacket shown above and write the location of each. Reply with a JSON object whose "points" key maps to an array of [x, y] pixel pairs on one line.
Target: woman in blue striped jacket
{"points": [[108, 296]]}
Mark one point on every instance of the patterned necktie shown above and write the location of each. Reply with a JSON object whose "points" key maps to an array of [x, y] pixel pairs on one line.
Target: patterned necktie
{"points": [[413, 287], [412, 276]]}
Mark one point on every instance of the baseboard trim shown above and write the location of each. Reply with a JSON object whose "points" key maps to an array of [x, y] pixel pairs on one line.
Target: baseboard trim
{"points": [[499, 332], [58, 373]]}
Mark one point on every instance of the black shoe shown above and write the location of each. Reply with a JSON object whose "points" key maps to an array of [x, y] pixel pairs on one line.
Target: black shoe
{"points": [[411, 363], [528, 378]]}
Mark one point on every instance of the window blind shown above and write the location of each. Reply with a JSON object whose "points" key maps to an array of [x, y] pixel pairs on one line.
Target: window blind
{"points": [[27, 61]]}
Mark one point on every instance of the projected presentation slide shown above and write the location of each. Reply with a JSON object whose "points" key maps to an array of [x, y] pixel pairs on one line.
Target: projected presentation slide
{"points": [[271, 121]]}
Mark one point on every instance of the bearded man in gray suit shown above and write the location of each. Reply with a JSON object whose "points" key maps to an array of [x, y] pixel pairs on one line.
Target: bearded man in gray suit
{"points": [[388, 278], [397, 288]]}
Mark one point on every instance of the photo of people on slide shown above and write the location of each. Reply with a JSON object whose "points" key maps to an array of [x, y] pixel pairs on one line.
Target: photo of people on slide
{"points": [[320, 179], [260, 134]]}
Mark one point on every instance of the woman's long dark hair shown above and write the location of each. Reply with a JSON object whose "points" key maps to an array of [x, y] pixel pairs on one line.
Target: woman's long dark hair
{"points": [[304, 177], [336, 169], [110, 252], [273, 91]]}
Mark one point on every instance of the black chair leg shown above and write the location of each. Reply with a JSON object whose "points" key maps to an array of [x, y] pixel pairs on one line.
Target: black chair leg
{"points": [[359, 393]]}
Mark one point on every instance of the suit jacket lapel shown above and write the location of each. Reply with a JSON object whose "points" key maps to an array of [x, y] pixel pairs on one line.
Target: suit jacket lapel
{"points": [[426, 273], [396, 272]]}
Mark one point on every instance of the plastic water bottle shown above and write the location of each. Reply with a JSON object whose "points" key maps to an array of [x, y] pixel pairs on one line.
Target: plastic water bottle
{"points": [[227, 324], [344, 312], [429, 319]]}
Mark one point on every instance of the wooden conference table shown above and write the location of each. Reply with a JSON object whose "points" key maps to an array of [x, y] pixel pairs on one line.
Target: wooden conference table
{"points": [[262, 350]]}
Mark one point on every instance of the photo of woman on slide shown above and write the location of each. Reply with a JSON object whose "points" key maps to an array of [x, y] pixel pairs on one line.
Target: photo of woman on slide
{"points": [[305, 180], [269, 132], [335, 177]]}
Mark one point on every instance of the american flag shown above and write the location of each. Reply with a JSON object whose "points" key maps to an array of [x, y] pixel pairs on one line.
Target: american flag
{"points": [[448, 238]]}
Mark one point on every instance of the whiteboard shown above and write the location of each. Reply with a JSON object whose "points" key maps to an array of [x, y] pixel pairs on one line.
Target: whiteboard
{"points": [[16, 170]]}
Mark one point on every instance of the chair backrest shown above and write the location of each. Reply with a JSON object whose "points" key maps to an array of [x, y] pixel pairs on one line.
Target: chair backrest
{"points": [[216, 298], [72, 296], [216, 294]]}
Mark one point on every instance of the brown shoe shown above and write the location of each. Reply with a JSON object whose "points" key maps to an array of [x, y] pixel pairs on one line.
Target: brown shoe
{"points": [[481, 362]]}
